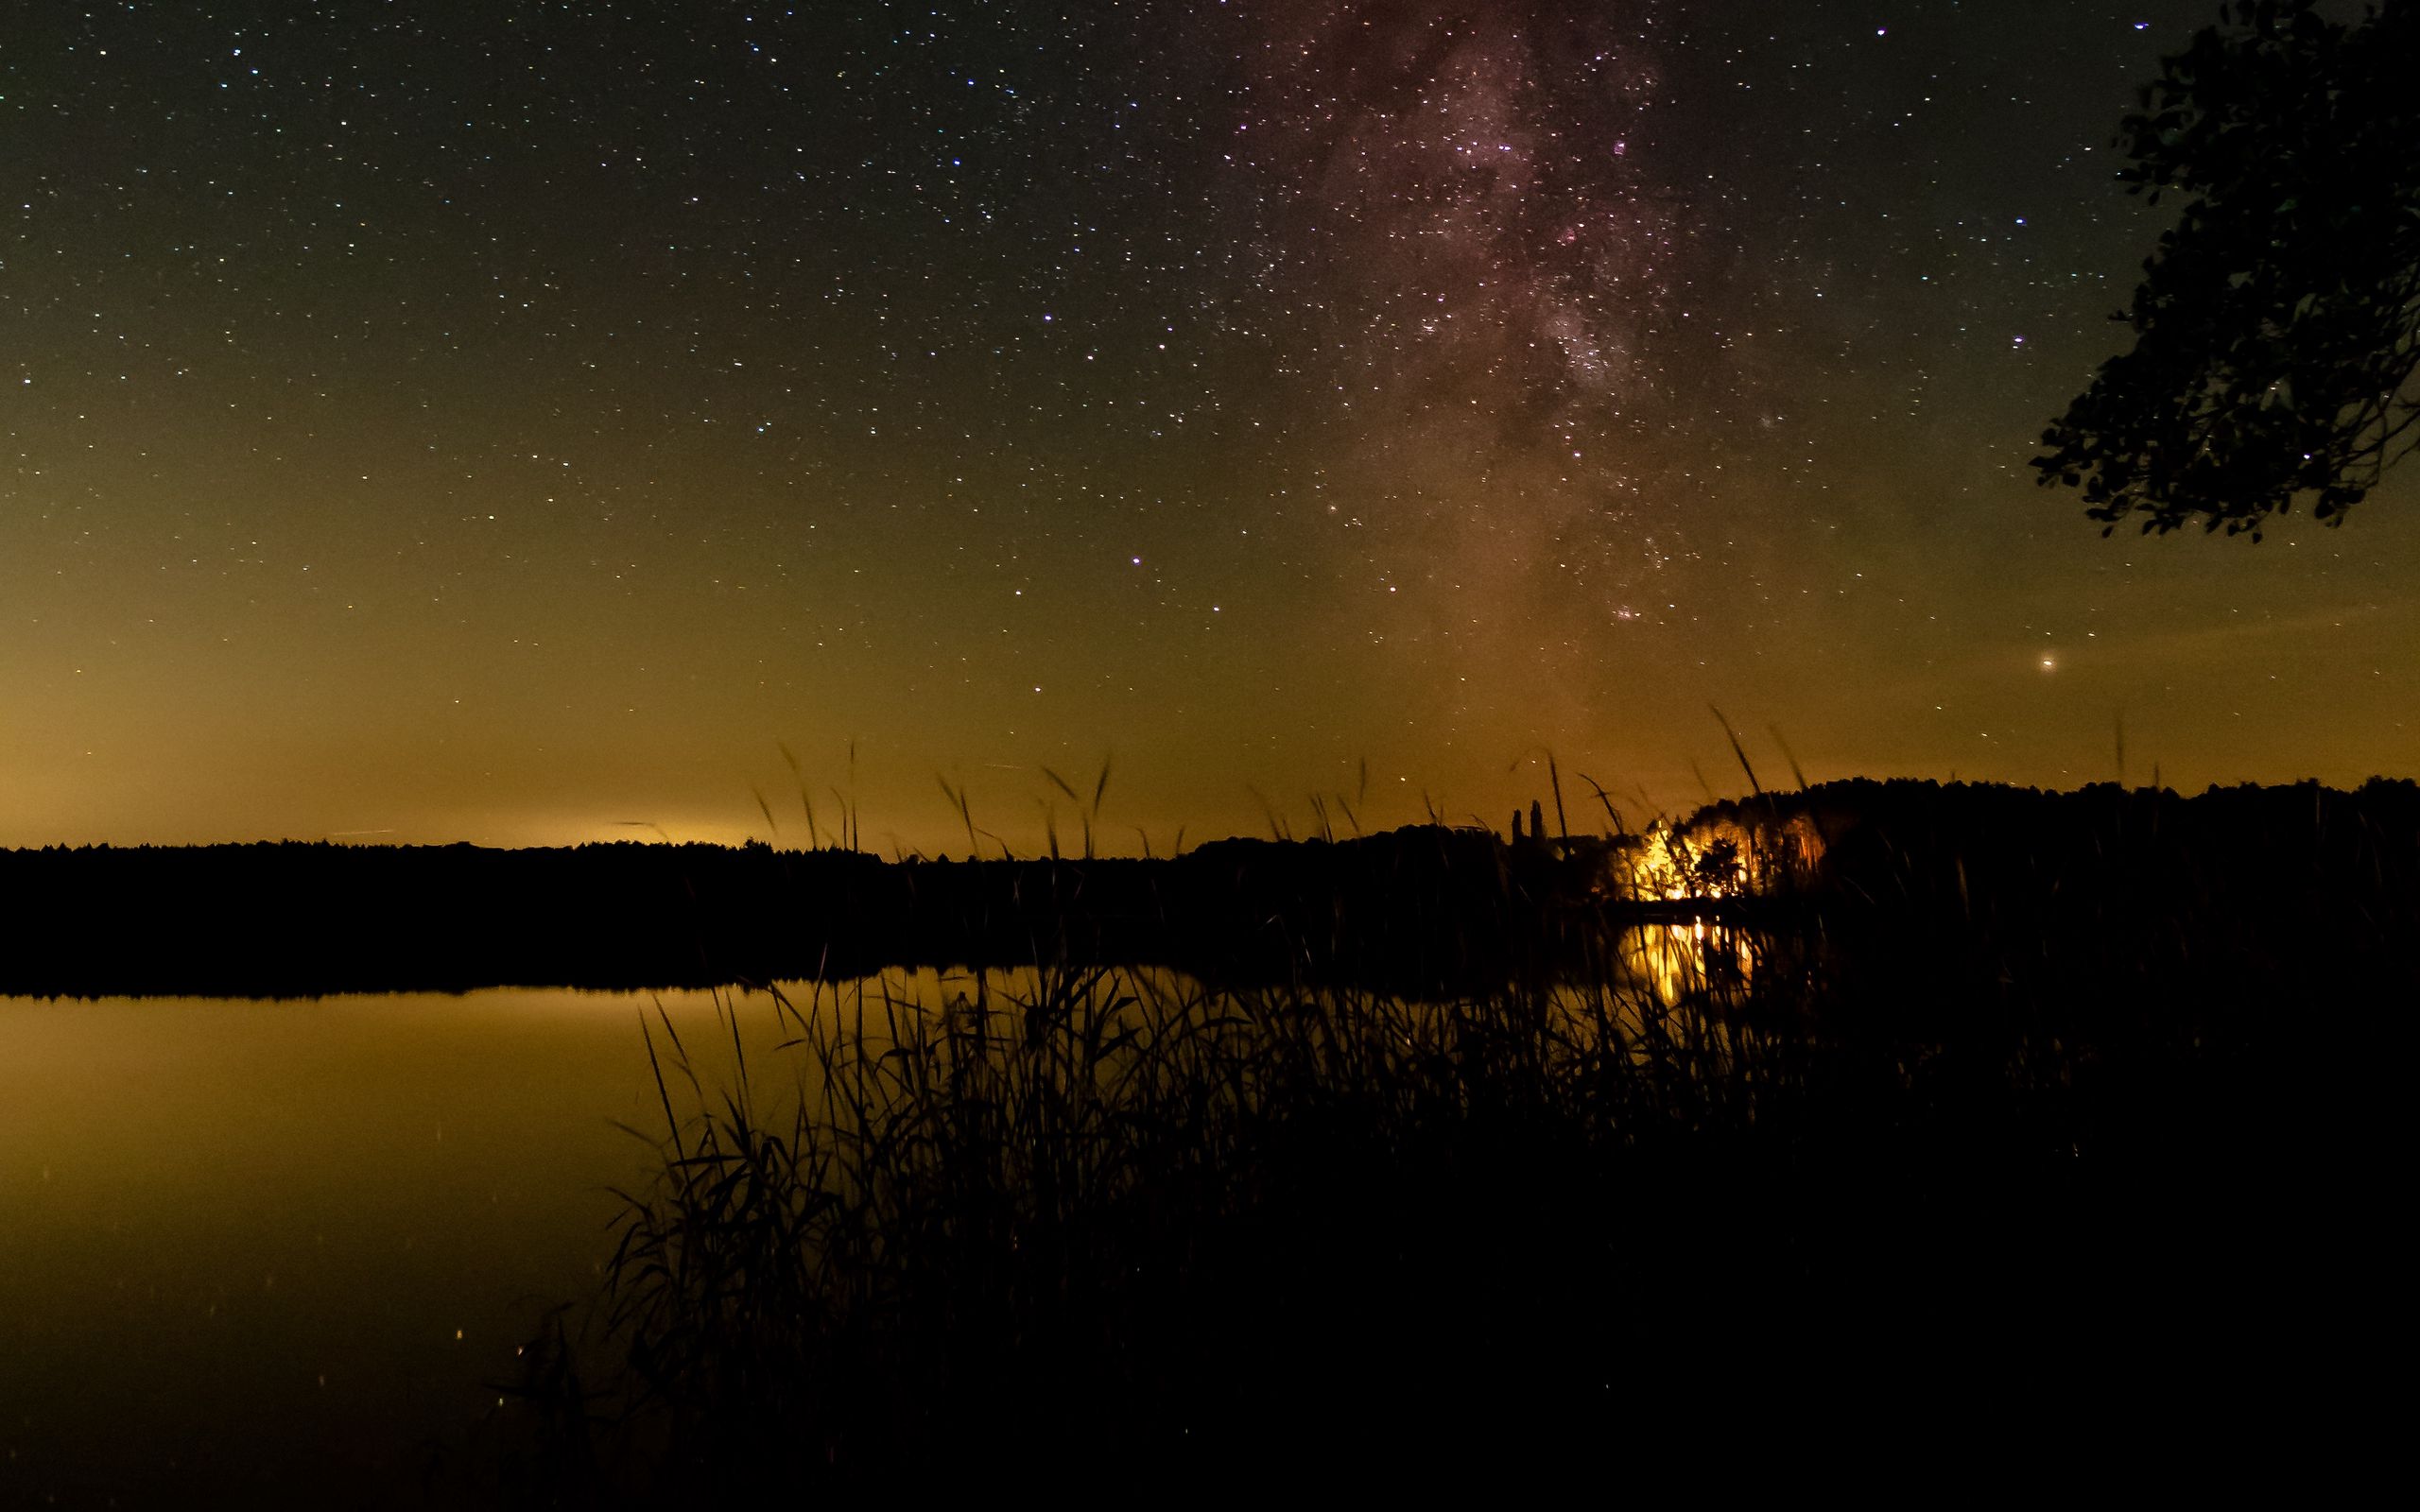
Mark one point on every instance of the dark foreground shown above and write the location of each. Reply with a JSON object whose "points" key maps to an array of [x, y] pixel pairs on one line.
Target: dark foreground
{"points": [[2005, 1139], [2040, 1136]]}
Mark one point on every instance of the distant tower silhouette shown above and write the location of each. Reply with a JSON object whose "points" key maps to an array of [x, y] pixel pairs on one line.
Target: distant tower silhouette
{"points": [[1516, 826], [1537, 822]]}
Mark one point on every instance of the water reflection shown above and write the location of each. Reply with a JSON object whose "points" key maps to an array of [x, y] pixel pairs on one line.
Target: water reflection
{"points": [[1687, 959], [268, 1249], [297, 1240]]}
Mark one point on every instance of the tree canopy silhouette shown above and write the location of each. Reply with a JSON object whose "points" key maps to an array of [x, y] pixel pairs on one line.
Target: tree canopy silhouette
{"points": [[2277, 326]]}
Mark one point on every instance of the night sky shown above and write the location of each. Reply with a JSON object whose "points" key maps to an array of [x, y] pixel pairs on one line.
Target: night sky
{"points": [[511, 421]]}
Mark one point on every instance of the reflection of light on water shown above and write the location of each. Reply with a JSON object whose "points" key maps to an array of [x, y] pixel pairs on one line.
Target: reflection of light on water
{"points": [[1711, 861], [1679, 960]]}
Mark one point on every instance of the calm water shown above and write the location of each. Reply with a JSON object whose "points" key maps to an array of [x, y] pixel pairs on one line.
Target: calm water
{"points": [[276, 1251], [279, 1251]]}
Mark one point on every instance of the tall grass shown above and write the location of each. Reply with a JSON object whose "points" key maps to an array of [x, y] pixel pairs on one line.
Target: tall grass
{"points": [[1122, 1215], [1096, 1206]]}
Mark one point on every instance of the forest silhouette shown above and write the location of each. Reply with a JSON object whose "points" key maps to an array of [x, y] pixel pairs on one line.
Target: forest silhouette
{"points": [[2098, 881]]}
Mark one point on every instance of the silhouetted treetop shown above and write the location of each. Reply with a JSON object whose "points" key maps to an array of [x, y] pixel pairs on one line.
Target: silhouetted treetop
{"points": [[2277, 326]]}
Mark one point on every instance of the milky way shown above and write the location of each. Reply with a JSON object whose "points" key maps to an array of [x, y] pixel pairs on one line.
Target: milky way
{"points": [[1490, 275], [1464, 206]]}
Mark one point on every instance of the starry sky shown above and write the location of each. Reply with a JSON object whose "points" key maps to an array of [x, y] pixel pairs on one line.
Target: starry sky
{"points": [[515, 422]]}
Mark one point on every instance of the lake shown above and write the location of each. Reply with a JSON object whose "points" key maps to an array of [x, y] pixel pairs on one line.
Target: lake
{"points": [[277, 1251], [283, 1251]]}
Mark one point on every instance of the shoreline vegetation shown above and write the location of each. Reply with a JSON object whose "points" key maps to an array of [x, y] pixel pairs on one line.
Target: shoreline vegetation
{"points": [[1426, 910], [2032, 1132], [1836, 1134]]}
